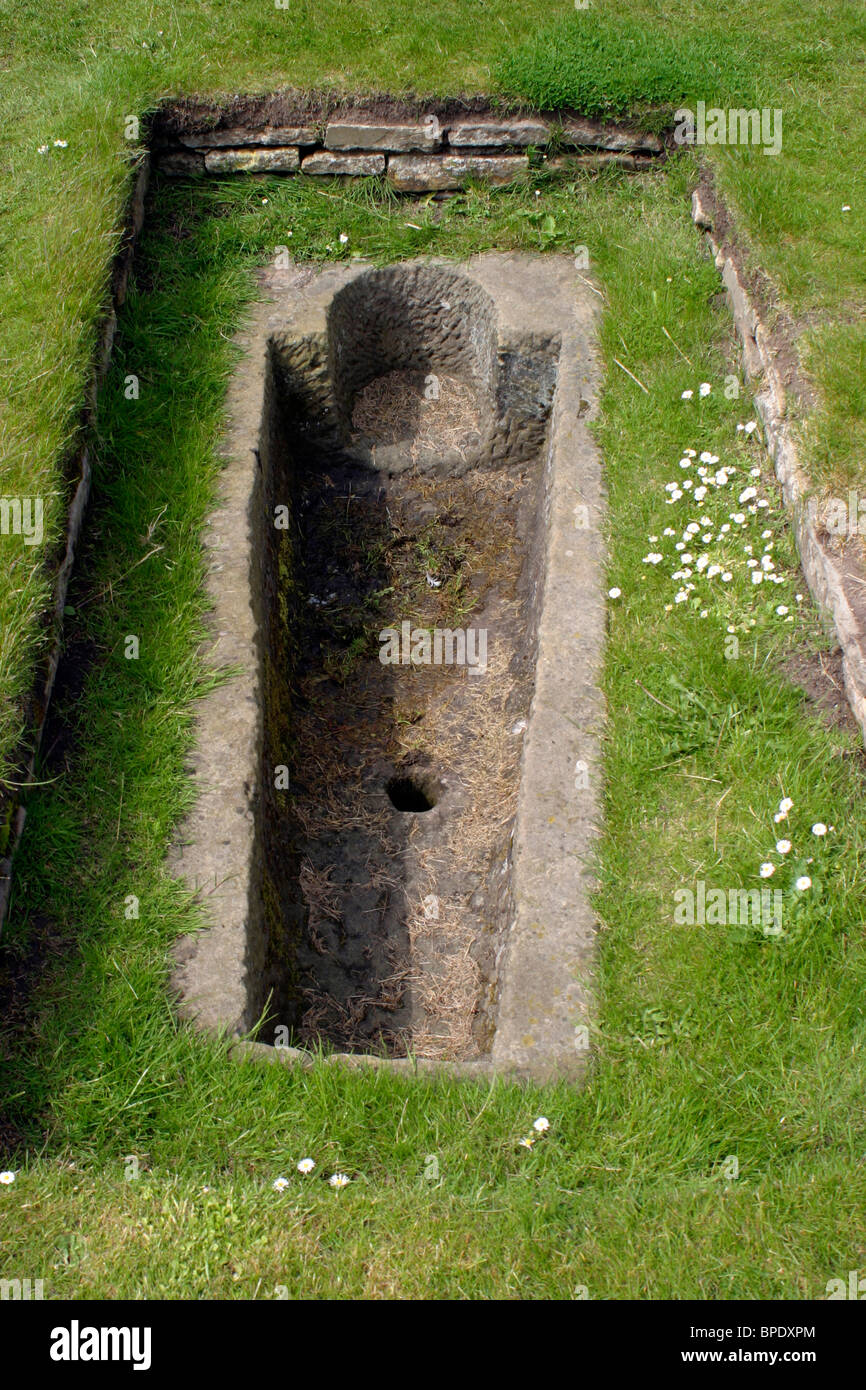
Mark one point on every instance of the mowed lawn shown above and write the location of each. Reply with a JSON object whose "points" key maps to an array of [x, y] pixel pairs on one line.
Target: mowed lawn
{"points": [[717, 1148]]}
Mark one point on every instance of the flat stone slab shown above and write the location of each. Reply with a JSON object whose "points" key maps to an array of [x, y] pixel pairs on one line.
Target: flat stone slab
{"points": [[424, 173], [591, 133], [236, 137], [269, 161], [523, 132], [597, 159], [323, 162], [391, 136]]}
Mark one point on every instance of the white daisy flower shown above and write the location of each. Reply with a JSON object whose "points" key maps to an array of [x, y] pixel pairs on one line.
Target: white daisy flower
{"points": [[7, 1177], [306, 1165], [614, 593], [705, 388], [803, 883], [767, 870], [819, 828], [281, 1184], [686, 395], [783, 846], [541, 1124], [339, 1180], [781, 610]]}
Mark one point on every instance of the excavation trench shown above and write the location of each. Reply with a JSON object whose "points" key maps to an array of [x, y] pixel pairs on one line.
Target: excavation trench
{"points": [[392, 453]]}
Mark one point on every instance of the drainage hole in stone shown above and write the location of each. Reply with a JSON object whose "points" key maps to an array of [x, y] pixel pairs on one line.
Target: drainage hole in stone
{"points": [[412, 793]]}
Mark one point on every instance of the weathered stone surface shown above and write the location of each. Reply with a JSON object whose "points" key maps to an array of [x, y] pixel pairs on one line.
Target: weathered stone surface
{"points": [[396, 136], [324, 162], [273, 161], [522, 132], [700, 215], [545, 960], [177, 164], [236, 137], [591, 133], [426, 173], [562, 163]]}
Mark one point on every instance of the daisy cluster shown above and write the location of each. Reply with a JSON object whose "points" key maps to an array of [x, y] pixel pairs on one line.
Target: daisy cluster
{"points": [[539, 1127], [307, 1166], [723, 539], [787, 855]]}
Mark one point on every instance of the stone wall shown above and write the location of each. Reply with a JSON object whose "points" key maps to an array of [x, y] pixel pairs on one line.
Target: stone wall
{"points": [[419, 153]]}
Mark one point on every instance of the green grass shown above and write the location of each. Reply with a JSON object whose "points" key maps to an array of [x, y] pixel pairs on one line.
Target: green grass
{"points": [[710, 1043], [605, 63]]}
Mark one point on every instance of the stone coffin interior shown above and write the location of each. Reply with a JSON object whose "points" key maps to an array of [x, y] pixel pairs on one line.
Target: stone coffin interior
{"points": [[381, 895]]}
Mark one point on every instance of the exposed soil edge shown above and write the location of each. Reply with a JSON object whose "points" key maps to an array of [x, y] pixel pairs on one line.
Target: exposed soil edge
{"points": [[836, 581], [192, 115]]}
